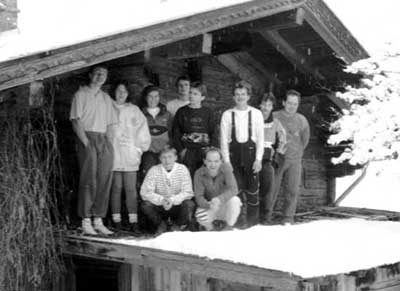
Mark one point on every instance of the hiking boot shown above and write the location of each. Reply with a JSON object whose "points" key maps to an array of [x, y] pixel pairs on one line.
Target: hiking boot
{"points": [[287, 221], [100, 228], [219, 224], [134, 229], [116, 225], [162, 227], [87, 227]]}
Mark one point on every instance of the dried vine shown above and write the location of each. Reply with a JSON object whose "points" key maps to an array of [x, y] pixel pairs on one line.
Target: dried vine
{"points": [[30, 179]]}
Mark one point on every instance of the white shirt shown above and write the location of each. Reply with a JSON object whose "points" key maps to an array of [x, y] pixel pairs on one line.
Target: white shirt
{"points": [[175, 104], [94, 109], [241, 126]]}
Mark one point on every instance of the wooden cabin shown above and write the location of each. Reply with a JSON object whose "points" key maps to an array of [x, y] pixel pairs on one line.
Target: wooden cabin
{"points": [[273, 44]]}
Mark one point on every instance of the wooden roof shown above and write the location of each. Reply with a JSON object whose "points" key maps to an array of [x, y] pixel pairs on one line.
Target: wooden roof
{"points": [[317, 16]]}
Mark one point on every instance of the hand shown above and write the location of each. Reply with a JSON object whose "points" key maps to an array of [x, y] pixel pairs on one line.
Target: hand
{"points": [[215, 203], [85, 142], [167, 203], [182, 154], [256, 166]]}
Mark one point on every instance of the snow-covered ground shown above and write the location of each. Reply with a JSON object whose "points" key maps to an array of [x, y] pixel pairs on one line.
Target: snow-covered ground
{"points": [[318, 248], [380, 188]]}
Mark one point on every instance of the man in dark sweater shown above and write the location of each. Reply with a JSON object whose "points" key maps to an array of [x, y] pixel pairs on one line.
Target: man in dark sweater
{"points": [[298, 136], [193, 128]]}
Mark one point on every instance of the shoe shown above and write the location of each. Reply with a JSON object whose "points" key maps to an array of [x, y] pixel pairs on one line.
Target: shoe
{"points": [[116, 225], [87, 227], [175, 227], [287, 221], [267, 220], [100, 228], [219, 224], [162, 227], [134, 229], [227, 228]]}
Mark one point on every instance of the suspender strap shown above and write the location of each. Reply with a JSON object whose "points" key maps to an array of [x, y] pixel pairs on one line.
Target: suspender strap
{"points": [[249, 137], [233, 133]]}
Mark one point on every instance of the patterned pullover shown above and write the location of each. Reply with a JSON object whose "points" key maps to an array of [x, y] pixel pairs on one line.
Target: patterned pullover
{"points": [[158, 183]]}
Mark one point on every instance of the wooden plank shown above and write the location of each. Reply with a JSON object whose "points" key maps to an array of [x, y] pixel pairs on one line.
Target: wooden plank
{"points": [[199, 283], [135, 278], [175, 281], [219, 269], [346, 283], [124, 277], [289, 52], [186, 281]]}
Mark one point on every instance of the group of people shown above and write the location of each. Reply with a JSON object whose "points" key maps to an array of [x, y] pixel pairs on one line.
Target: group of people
{"points": [[188, 173]]}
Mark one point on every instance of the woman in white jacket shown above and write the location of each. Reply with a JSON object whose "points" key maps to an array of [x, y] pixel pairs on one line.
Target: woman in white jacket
{"points": [[130, 138]]}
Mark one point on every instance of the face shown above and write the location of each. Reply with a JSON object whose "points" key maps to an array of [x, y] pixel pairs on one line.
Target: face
{"points": [[195, 97], [153, 99], [183, 87], [213, 162], [241, 97], [121, 93], [98, 76], [266, 107], [168, 160], [291, 104]]}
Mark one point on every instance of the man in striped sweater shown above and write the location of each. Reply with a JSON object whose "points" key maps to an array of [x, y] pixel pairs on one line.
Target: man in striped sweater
{"points": [[166, 192]]}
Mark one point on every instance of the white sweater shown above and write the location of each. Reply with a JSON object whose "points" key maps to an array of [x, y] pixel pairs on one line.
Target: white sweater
{"points": [[242, 125], [158, 183], [130, 137]]}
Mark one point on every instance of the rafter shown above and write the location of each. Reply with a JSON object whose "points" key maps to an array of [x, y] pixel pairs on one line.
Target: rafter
{"points": [[243, 65], [289, 52]]}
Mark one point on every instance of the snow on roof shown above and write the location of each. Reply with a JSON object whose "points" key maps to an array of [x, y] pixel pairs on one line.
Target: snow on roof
{"points": [[48, 24], [318, 248], [380, 188]]}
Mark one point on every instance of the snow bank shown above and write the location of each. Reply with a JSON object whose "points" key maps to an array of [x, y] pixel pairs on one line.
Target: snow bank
{"points": [[312, 249], [380, 188]]}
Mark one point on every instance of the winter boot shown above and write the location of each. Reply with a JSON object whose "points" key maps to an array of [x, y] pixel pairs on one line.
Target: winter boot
{"points": [[99, 226], [87, 227]]}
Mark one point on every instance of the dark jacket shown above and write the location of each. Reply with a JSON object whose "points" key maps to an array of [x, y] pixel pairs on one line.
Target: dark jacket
{"points": [[159, 127]]}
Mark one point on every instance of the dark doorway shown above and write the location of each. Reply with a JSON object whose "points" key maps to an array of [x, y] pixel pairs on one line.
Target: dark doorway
{"points": [[96, 275]]}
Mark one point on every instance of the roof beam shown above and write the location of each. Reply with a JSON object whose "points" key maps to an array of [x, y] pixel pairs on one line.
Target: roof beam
{"points": [[243, 65], [289, 52], [285, 20], [194, 47]]}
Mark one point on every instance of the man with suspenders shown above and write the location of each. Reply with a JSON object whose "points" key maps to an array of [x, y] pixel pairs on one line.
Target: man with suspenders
{"points": [[242, 145]]}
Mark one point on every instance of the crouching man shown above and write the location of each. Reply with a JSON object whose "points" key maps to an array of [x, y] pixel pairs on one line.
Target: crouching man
{"points": [[166, 192], [215, 190]]}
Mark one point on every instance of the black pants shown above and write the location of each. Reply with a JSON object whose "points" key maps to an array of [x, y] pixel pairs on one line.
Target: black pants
{"points": [[267, 193], [193, 159], [248, 182], [180, 214]]}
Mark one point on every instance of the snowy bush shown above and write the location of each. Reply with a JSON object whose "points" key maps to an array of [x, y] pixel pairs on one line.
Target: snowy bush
{"points": [[372, 124]]}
